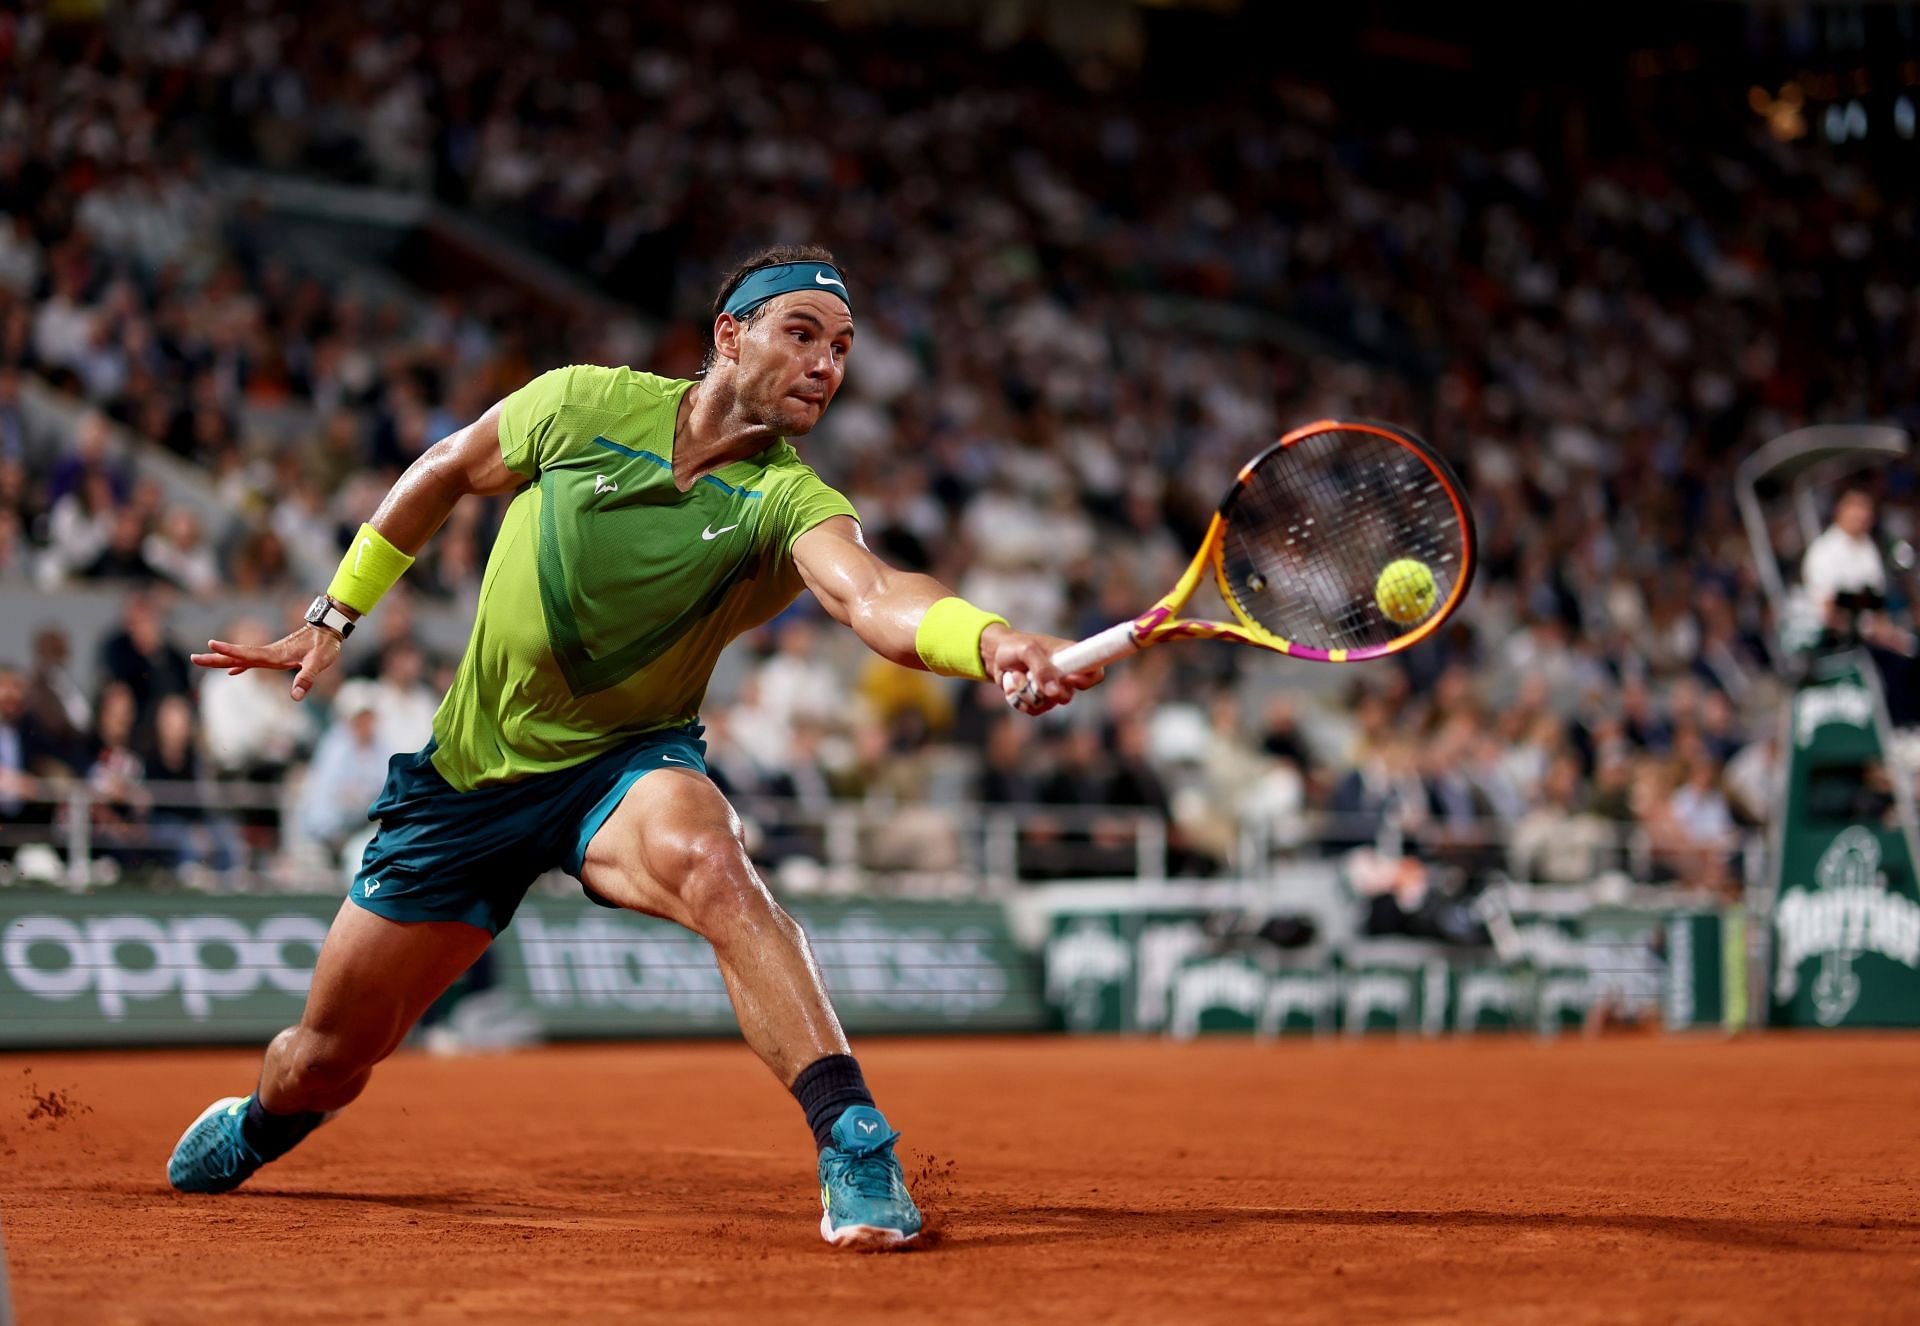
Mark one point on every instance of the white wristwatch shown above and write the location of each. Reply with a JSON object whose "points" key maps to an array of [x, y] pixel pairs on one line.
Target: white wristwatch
{"points": [[325, 613]]}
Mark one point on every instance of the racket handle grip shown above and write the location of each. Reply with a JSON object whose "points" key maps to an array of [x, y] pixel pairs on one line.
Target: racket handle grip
{"points": [[1096, 651], [1110, 645]]}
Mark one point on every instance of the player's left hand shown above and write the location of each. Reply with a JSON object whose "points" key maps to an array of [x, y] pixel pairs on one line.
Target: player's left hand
{"points": [[1017, 657]]}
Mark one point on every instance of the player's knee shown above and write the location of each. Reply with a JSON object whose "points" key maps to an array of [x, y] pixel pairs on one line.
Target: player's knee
{"points": [[684, 859], [717, 884], [319, 1061]]}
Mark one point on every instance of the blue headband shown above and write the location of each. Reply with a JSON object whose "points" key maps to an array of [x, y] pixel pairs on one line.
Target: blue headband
{"points": [[764, 283]]}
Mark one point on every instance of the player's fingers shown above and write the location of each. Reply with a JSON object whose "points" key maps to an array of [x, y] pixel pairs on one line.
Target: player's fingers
{"points": [[310, 668], [1021, 694], [220, 654], [1043, 677], [316, 661], [217, 655], [1087, 678]]}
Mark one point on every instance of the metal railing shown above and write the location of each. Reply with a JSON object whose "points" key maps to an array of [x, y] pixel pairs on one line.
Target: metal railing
{"points": [[238, 836]]}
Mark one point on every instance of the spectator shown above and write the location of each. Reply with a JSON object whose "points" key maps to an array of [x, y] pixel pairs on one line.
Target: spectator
{"points": [[1210, 812], [116, 778], [404, 703], [56, 699], [792, 686], [253, 731], [14, 440], [1382, 791], [179, 552], [185, 831], [349, 767], [1280, 734], [1558, 841], [79, 530], [124, 557], [1544, 300], [16, 556], [1015, 773], [1081, 785], [27, 756], [143, 658]]}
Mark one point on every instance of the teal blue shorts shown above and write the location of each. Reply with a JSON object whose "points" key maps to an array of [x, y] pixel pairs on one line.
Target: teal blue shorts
{"points": [[442, 855]]}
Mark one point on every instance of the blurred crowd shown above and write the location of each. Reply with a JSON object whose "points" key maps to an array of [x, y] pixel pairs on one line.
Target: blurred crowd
{"points": [[1067, 296]]}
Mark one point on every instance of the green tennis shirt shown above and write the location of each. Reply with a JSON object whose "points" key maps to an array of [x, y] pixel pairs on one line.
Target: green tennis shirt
{"points": [[610, 593]]}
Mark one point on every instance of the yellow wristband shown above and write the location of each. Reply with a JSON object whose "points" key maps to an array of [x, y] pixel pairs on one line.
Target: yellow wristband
{"points": [[367, 571], [948, 640]]}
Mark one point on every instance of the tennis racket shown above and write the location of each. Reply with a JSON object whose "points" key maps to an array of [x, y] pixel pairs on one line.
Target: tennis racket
{"points": [[1344, 541]]}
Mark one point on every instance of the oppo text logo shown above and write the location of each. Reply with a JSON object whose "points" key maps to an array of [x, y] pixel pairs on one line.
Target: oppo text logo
{"points": [[122, 959]]}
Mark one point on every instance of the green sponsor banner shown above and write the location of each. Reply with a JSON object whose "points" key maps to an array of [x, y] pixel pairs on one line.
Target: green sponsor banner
{"points": [[1302, 1001], [1089, 966], [1489, 998], [137, 969], [1846, 915], [1706, 983], [891, 967], [1109, 970], [1113, 970]]}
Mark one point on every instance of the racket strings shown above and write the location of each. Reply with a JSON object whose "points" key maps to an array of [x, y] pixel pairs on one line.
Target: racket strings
{"points": [[1317, 523]]}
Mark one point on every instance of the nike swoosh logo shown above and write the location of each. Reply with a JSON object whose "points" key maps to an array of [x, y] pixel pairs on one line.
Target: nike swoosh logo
{"points": [[711, 533], [674, 759], [360, 553], [822, 278]]}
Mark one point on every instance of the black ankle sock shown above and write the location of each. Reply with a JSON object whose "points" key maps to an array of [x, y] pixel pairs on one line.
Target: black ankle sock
{"points": [[274, 1135], [825, 1088]]}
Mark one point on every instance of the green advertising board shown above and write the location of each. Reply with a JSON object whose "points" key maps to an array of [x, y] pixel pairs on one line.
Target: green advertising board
{"points": [[1156, 969], [1846, 912], [143, 969], [890, 966]]}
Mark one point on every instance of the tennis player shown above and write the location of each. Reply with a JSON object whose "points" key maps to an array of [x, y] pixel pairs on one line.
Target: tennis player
{"points": [[652, 522]]}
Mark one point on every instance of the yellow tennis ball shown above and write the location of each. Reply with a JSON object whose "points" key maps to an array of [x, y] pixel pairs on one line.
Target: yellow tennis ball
{"points": [[1405, 591]]}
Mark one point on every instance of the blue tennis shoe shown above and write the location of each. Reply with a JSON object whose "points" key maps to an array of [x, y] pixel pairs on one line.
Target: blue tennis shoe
{"points": [[863, 1195], [213, 1155]]}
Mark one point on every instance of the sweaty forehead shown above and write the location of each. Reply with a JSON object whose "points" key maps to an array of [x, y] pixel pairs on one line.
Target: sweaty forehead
{"points": [[826, 309]]}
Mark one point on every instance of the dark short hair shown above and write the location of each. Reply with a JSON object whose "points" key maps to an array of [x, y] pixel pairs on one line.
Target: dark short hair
{"points": [[767, 257]]}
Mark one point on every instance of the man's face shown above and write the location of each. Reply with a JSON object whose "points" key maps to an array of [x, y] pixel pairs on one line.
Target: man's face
{"points": [[1854, 514], [13, 696], [789, 359]]}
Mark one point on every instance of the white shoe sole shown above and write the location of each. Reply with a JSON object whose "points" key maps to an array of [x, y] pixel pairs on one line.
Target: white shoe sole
{"points": [[863, 1238]]}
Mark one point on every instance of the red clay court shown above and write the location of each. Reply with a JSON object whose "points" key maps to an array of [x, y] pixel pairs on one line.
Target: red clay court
{"points": [[1494, 1180]]}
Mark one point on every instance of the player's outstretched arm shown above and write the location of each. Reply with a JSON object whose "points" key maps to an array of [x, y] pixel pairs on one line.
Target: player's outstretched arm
{"points": [[889, 610], [464, 462]]}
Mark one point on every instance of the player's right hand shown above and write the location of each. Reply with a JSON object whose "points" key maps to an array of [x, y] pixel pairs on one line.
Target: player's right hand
{"points": [[309, 650], [1024, 665]]}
